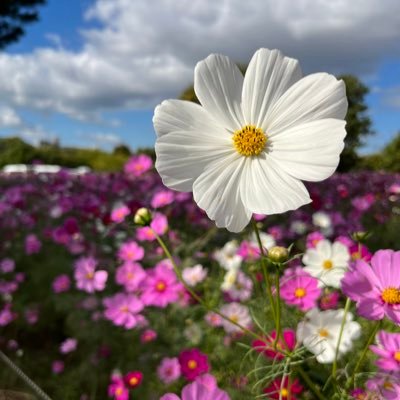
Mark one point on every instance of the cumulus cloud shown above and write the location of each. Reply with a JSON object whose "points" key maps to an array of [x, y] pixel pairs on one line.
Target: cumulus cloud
{"points": [[9, 117], [141, 52]]}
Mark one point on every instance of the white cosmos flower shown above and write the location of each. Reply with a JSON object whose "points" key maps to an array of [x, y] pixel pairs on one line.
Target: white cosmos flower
{"points": [[238, 313], [228, 257], [327, 262], [253, 139], [319, 332], [267, 240], [194, 275], [229, 279]]}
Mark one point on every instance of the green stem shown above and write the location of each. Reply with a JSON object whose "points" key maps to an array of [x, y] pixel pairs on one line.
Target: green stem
{"points": [[346, 310], [195, 295], [265, 272], [363, 354], [278, 310], [24, 377], [310, 384]]}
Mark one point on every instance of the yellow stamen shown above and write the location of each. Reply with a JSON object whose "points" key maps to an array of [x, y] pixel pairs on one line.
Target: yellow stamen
{"points": [[118, 391], [234, 318], [133, 381], [284, 392], [160, 286], [391, 295], [249, 141], [397, 356], [90, 275], [327, 264], [192, 364], [323, 333], [300, 292]]}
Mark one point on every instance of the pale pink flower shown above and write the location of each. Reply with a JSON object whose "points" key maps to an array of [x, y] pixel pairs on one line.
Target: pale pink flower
{"points": [[162, 198], [118, 214], [138, 165], [68, 345], [130, 251], [159, 225], [169, 370], [237, 313], [130, 275], [86, 276]]}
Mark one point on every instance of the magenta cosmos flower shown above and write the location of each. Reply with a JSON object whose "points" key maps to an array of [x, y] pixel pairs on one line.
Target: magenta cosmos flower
{"points": [[388, 350], [117, 389], [123, 310], [376, 288], [86, 276], [130, 275], [193, 363], [161, 287], [287, 344], [298, 288], [204, 388], [282, 388], [133, 379], [130, 251]]}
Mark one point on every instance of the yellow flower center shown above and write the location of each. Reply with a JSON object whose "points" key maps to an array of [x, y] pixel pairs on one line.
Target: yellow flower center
{"points": [[323, 333], [133, 381], [124, 309], [300, 292], [119, 391], [397, 356], [160, 286], [192, 364], [284, 392], [327, 264], [388, 385], [391, 295], [249, 141], [90, 275], [234, 318], [130, 276]]}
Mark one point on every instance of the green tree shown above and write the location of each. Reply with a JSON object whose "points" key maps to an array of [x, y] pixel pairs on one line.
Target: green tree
{"points": [[358, 123], [14, 15]]}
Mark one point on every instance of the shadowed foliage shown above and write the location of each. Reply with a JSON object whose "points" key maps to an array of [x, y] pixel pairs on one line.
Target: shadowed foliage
{"points": [[14, 15]]}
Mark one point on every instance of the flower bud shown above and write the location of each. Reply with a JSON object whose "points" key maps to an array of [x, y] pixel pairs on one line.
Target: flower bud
{"points": [[278, 254], [360, 236], [142, 217]]}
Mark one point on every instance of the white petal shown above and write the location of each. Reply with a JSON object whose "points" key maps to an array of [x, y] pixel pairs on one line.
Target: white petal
{"points": [[266, 189], [179, 115], [316, 96], [324, 248], [217, 191], [268, 76], [309, 151], [182, 156], [218, 85]]}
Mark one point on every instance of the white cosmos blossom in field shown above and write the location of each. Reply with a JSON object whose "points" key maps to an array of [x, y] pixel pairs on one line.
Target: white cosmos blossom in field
{"points": [[319, 333], [328, 262], [253, 139]]}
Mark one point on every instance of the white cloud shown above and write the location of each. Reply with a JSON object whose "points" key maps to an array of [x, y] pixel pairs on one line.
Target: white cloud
{"points": [[8, 117], [143, 51]]}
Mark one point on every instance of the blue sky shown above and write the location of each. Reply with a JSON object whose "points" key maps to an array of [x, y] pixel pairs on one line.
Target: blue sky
{"points": [[91, 71]]}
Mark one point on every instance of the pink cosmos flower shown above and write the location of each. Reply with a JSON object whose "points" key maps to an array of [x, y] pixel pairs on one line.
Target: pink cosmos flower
{"points": [[203, 388], [162, 198], [130, 251], [57, 367], [68, 345], [7, 265], [86, 276], [300, 289], [32, 244], [123, 310], [242, 288], [313, 238], [138, 165], [161, 287], [6, 315], [386, 385], [193, 363], [329, 301], [287, 344], [376, 288], [117, 389], [148, 336], [355, 253], [282, 388], [61, 283], [133, 379], [213, 319], [169, 370], [238, 313], [130, 275], [159, 225], [118, 214], [388, 349]]}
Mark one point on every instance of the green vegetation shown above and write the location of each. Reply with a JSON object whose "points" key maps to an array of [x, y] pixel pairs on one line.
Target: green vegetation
{"points": [[16, 151]]}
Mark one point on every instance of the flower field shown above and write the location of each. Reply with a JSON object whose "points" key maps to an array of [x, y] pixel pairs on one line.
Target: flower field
{"points": [[92, 307]]}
